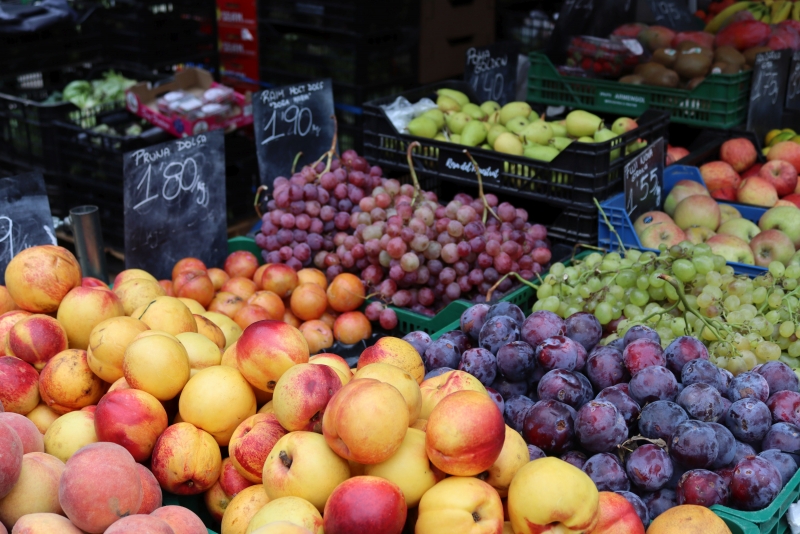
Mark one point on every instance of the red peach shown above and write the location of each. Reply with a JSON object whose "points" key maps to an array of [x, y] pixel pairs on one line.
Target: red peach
{"points": [[11, 458], [39, 277], [82, 309], [36, 490], [20, 391], [36, 339], [301, 395], [151, 491], [365, 504], [352, 327], [739, 153], [240, 286], [186, 460], [182, 520], [290, 318], [346, 293], [169, 289], [308, 302], [250, 314], [187, 264], [67, 382], [280, 279], [270, 302], [194, 284], [131, 418], [140, 524], [7, 321], [32, 440], [266, 350], [241, 263], [89, 281], [252, 442], [216, 501], [231, 481], [43, 523], [616, 515], [7, 304], [226, 304]]}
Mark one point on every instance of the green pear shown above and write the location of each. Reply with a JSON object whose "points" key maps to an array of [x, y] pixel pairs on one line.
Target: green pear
{"points": [[473, 111], [486, 146], [585, 139], [633, 147], [533, 116], [493, 117], [538, 132], [513, 110], [490, 106], [457, 121], [542, 153], [582, 123], [458, 96], [494, 133], [560, 143], [473, 134], [605, 134], [455, 138], [436, 116], [446, 103], [559, 130], [423, 127], [440, 137], [486, 126], [623, 124], [508, 143], [517, 124]]}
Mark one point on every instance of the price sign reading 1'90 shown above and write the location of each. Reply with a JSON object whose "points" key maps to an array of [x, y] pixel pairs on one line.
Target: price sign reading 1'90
{"points": [[291, 119]]}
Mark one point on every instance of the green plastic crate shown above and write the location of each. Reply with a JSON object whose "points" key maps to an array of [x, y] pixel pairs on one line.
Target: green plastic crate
{"points": [[721, 101], [409, 321], [455, 325], [245, 243], [737, 525]]}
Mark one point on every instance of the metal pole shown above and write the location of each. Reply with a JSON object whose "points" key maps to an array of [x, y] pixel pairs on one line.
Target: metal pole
{"points": [[89, 241]]}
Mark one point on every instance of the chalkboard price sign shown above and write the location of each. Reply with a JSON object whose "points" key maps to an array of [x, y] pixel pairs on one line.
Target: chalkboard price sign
{"points": [[768, 91], [291, 119], [643, 179], [492, 71], [175, 203], [25, 219], [675, 14], [793, 85]]}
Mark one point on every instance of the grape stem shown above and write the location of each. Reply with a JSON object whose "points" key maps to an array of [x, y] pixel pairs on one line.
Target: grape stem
{"points": [[515, 275], [610, 226], [330, 153], [413, 172], [662, 312], [296, 159], [486, 208], [256, 203], [682, 297]]}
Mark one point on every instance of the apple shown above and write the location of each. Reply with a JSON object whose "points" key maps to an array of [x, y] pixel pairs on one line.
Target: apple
{"points": [[699, 234], [719, 174], [727, 193], [252, 442], [758, 192], [665, 233], [728, 212], [675, 154], [785, 150], [739, 153], [648, 219], [782, 202], [785, 219], [681, 190], [302, 393], [292, 509], [741, 228], [186, 460], [752, 171], [781, 174], [461, 504], [731, 248], [365, 504], [772, 245], [794, 198], [616, 515], [697, 210]]}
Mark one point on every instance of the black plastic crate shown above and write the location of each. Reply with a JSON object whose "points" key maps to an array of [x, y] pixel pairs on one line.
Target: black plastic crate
{"points": [[341, 16], [581, 173]]}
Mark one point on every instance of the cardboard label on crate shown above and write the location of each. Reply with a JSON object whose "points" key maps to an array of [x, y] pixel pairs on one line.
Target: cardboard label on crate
{"points": [[793, 84], [622, 102], [291, 119], [456, 164], [768, 91], [675, 14], [492, 71], [175, 203], [25, 219], [643, 180]]}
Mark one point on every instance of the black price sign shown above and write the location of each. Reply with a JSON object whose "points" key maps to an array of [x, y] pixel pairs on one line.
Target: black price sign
{"points": [[643, 178], [291, 119], [793, 85], [492, 72], [25, 219], [175, 203], [768, 91], [675, 14]]}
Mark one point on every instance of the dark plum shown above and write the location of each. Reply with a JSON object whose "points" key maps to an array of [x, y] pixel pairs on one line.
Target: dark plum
{"points": [[516, 360], [727, 446], [480, 363], [437, 372], [742, 451], [779, 376], [599, 426], [694, 445], [702, 488], [659, 502], [516, 408], [638, 505], [588, 390], [541, 325], [784, 437], [756, 483], [727, 474], [640, 332], [683, 350], [419, 340], [442, 353], [534, 452], [561, 385], [606, 472], [507, 309], [497, 398], [703, 372], [785, 407], [726, 377], [701, 401], [459, 339], [497, 332], [509, 389], [560, 352], [649, 467], [641, 354], [549, 425], [748, 385], [604, 368], [784, 463], [653, 384], [576, 458], [616, 344], [749, 420], [473, 318], [585, 329], [660, 419], [726, 406], [628, 407]]}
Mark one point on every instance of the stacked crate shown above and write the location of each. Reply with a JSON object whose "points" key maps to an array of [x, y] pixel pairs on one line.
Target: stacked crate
{"points": [[237, 25]]}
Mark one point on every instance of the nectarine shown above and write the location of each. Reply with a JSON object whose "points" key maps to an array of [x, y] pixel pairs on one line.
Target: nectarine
{"points": [[82, 309], [38, 278], [346, 293]]}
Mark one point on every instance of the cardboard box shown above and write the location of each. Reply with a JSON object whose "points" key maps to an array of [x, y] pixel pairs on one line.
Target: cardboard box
{"points": [[238, 13], [141, 100], [447, 29]]}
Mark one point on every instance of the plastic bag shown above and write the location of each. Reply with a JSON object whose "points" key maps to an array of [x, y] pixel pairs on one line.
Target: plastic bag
{"points": [[793, 518], [401, 111]]}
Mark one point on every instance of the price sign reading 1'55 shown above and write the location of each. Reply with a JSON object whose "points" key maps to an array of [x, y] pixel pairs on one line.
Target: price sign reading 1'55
{"points": [[291, 119], [492, 72], [768, 91], [643, 179], [793, 85], [175, 203]]}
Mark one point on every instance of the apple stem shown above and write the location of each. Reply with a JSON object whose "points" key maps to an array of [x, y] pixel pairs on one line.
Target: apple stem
{"points": [[610, 226], [659, 313], [487, 209], [413, 171]]}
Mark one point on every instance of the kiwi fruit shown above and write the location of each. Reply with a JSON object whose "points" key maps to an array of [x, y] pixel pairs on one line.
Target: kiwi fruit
{"points": [[690, 66], [720, 67], [751, 53], [662, 78], [694, 82], [665, 56], [634, 79], [643, 69], [728, 54], [686, 45]]}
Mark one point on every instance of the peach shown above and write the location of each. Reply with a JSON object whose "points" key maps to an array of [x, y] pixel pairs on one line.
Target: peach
{"points": [[230, 329], [38, 277], [240, 286], [229, 357], [346, 292], [266, 350], [397, 352], [290, 318], [7, 321], [36, 339], [465, 433], [616, 515], [688, 519], [82, 309], [267, 408], [242, 508], [7, 304], [216, 501], [131, 418], [329, 318], [186, 460], [739, 153], [118, 385], [461, 504], [11, 458], [788, 151], [231, 480], [319, 336], [133, 274], [36, 490], [241, 263], [309, 275], [308, 301], [332, 360], [366, 439], [420, 424], [513, 456], [250, 314], [187, 264], [366, 504], [67, 382], [207, 328], [168, 314], [182, 520], [435, 389], [194, 284], [352, 327], [137, 292], [270, 302], [210, 389], [226, 303], [107, 343], [107, 472], [151, 491], [292, 509], [29, 435], [218, 277], [202, 351], [194, 306], [20, 391], [401, 380], [158, 365], [281, 527], [169, 289], [280, 279], [140, 524], [70, 433], [42, 417], [301, 395], [44, 523]]}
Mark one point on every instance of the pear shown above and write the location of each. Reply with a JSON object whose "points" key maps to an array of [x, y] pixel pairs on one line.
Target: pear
{"points": [[605, 134], [582, 123], [623, 124], [560, 142], [445, 104], [538, 132], [458, 96], [486, 146], [473, 134], [586, 139], [423, 127], [455, 138], [533, 116], [457, 121], [493, 117], [559, 130], [516, 125], [633, 147], [473, 111], [486, 126], [508, 143], [440, 137], [490, 106], [436, 116], [513, 110], [494, 132], [542, 153]]}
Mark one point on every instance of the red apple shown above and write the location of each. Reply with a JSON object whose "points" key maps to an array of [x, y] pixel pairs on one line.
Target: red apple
{"points": [[752, 171], [786, 151], [731, 248], [675, 153], [682, 190], [725, 193], [794, 198], [758, 192], [739, 153], [771, 245], [697, 210], [666, 233], [780, 174], [718, 174], [365, 504]]}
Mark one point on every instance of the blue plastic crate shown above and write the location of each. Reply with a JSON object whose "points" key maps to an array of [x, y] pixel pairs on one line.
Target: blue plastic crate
{"points": [[617, 215]]}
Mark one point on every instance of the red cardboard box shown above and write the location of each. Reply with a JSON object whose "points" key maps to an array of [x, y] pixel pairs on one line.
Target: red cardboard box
{"points": [[238, 42], [239, 13]]}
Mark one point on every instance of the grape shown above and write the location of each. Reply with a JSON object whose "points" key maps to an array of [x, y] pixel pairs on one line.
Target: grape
{"points": [[604, 367], [785, 407], [649, 467], [638, 505], [628, 407], [575, 458], [560, 352], [779, 377], [702, 488], [515, 360], [442, 353], [585, 329], [694, 445], [659, 502], [653, 384], [749, 385], [497, 332], [701, 401], [480, 363], [659, 419], [642, 353], [515, 411], [388, 319], [599, 426], [756, 483], [606, 472], [419, 340], [549, 425]]}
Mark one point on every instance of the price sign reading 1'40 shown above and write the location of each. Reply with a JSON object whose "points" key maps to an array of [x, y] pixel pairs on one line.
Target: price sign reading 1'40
{"points": [[490, 84], [300, 122]]}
